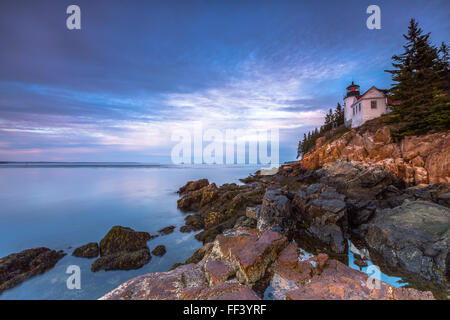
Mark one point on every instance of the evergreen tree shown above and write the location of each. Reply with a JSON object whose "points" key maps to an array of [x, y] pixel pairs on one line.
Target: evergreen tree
{"points": [[338, 115], [328, 120], [418, 75]]}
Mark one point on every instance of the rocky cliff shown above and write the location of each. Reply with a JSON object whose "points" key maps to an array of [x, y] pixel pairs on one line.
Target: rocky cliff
{"points": [[416, 159]]}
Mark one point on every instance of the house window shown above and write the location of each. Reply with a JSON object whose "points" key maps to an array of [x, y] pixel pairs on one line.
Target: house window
{"points": [[360, 107], [353, 111], [373, 104]]}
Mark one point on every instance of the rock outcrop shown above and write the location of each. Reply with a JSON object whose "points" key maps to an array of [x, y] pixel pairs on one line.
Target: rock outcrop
{"points": [[18, 267], [193, 186], [90, 250], [159, 251], [414, 237], [216, 209], [166, 230], [237, 261], [416, 159], [123, 249]]}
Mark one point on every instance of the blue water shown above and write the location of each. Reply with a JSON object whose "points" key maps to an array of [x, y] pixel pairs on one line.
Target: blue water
{"points": [[64, 206], [375, 273]]}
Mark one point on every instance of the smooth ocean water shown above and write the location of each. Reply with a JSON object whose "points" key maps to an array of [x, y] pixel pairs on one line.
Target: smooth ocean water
{"points": [[64, 206]]}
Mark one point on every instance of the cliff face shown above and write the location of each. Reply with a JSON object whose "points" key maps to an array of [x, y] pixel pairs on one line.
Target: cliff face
{"points": [[416, 159]]}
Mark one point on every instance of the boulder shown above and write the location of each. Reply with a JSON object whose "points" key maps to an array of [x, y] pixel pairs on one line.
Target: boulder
{"points": [[159, 251], [90, 250], [194, 200], [123, 239], [167, 230], [122, 260], [123, 249], [18, 267], [193, 186], [413, 237]]}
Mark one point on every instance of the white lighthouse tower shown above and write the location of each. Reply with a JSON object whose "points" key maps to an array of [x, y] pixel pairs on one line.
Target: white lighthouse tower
{"points": [[350, 98]]}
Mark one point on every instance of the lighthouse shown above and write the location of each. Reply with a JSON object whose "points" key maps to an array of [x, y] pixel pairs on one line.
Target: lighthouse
{"points": [[351, 97]]}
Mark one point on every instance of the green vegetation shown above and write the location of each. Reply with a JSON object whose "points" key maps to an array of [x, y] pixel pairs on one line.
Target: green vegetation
{"points": [[422, 84], [332, 120]]}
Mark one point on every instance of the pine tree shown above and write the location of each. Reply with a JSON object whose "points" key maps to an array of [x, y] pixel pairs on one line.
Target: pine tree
{"points": [[299, 149], [418, 76], [338, 115]]}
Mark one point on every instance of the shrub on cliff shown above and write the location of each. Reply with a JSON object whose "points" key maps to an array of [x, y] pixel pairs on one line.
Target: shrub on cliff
{"points": [[332, 120]]}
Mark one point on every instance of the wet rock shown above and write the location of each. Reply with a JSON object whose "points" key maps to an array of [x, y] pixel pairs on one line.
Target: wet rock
{"points": [[159, 251], [167, 230], [123, 239], [18, 267], [90, 250], [413, 237], [192, 223], [193, 186], [194, 200], [123, 249], [122, 260]]}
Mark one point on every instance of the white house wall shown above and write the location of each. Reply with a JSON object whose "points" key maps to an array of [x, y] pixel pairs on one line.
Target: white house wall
{"points": [[367, 113]]}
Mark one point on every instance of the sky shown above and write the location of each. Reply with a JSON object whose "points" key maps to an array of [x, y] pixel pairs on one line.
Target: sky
{"points": [[137, 71]]}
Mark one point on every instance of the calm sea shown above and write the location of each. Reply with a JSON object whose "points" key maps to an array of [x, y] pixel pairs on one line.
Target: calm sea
{"points": [[63, 206]]}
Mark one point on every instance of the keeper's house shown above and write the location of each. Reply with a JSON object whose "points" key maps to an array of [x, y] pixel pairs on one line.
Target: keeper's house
{"points": [[360, 108]]}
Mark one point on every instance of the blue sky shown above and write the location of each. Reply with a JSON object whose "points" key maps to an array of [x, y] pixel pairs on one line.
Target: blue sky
{"points": [[137, 70]]}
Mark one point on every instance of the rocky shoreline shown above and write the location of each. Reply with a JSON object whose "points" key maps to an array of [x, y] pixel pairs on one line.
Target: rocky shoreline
{"points": [[254, 233]]}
